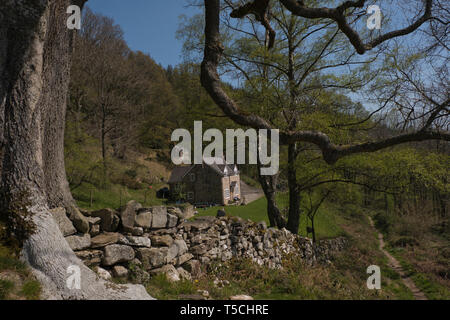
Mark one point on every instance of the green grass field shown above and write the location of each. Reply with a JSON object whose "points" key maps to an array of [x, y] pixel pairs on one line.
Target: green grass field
{"points": [[115, 196], [16, 280], [327, 225], [331, 221]]}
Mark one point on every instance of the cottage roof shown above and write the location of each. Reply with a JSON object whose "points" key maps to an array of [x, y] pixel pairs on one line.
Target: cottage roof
{"points": [[178, 173], [219, 165]]}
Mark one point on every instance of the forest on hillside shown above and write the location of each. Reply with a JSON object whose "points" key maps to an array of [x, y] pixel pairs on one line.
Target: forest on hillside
{"points": [[363, 117], [123, 103]]}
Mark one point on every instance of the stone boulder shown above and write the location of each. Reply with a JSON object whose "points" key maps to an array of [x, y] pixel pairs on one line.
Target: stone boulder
{"points": [[120, 272], [159, 217], [104, 274], [184, 275], [199, 250], [172, 220], [117, 253], [64, 223], [170, 272], [128, 215], [95, 231], [198, 224], [182, 259], [79, 221], [162, 241], [136, 241], [79, 242], [137, 231], [152, 258], [94, 226], [90, 257], [109, 219], [177, 249], [144, 219], [194, 267], [93, 221], [183, 213], [105, 239]]}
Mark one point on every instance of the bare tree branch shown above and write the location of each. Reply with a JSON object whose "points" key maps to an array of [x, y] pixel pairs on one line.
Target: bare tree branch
{"points": [[331, 152], [338, 15]]}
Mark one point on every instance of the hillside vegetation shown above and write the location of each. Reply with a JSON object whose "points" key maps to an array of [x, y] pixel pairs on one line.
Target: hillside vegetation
{"points": [[124, 107]]}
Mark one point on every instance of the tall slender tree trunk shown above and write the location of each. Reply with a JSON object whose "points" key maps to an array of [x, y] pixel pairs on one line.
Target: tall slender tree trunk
{"points": [[313, 229], [294, 191], [35, 54], [268, 184], [103, 142]]}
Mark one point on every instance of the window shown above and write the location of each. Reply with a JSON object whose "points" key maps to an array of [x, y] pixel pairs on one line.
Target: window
{"points": [[227, 193], [192, 175]]}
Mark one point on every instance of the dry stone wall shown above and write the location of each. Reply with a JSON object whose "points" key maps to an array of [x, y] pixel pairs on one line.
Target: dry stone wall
{"points": [[138, 242]]}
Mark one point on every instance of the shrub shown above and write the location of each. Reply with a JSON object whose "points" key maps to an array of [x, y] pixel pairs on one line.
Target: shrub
{"points": [[31, 290], [383, 222], [131, 173], [5, 289], [405, 241]]}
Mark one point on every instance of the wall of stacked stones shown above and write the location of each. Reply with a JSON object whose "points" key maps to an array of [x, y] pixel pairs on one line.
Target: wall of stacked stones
{"points": [[139, 242]]}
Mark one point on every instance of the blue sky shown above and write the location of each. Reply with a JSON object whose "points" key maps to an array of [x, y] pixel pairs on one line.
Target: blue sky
{"points": [[149, 25]]}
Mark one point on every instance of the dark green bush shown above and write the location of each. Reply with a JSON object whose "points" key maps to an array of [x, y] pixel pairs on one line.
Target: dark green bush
{"points": [[404, 242], [383, 222]]}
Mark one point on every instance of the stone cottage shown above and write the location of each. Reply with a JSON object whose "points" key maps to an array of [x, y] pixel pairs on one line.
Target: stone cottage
{"points": [[214, 182]]}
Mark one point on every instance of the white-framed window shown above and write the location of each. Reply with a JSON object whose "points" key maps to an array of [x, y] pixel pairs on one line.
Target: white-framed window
{"points": [[190, 196], [227, 193], [192, 177]]}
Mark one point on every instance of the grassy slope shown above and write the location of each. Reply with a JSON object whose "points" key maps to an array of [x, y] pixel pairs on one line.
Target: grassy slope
{"points": [[327, 221], [16, 281], [114, 196], [345, 278], [426, 259]]}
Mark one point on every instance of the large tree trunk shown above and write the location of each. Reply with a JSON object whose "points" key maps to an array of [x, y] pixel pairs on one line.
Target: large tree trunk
{"points": [[35, 55]]}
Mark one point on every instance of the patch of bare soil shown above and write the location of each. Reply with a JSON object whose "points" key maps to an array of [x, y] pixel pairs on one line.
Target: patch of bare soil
{"points": [[250, 193]]}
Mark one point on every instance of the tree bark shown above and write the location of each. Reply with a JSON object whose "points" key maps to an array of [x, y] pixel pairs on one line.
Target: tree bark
{"points": [[294, 191], [268, 184], [35, 54], [103, 141]]}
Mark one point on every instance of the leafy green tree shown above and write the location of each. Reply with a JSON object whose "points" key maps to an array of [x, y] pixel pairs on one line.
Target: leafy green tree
{"points": [[342, 21]]}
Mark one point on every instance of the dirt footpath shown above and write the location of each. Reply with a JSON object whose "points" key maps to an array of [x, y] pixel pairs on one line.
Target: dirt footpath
{"points": [[396, 266], [251, 194]]}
